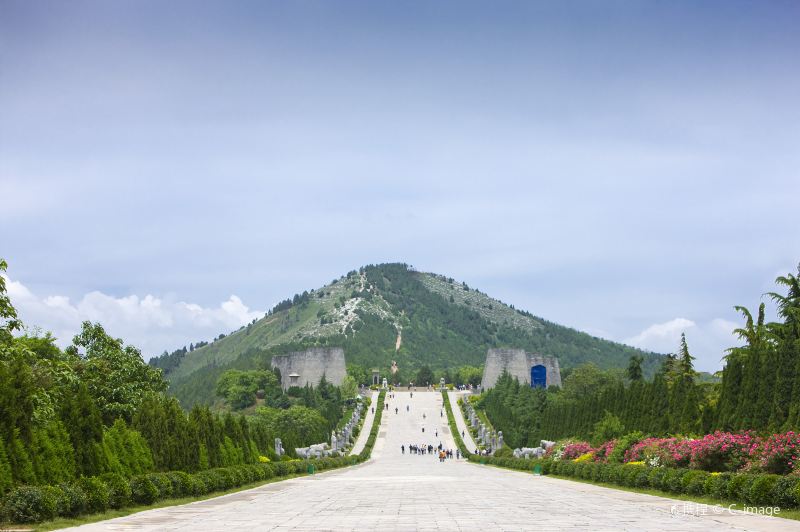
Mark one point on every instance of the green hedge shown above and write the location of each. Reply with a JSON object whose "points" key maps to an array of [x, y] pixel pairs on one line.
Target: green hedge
{"points": [[373, 433], [744, 488], [451, 421], [33, 504]]}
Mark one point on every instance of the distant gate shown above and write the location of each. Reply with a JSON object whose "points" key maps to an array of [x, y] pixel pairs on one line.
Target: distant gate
{"points": [[538, 376]]}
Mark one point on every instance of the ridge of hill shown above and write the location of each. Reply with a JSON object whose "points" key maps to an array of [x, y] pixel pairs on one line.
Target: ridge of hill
{"points": [[387, 312]]}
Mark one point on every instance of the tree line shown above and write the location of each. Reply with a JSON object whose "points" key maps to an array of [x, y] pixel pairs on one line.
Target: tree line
{"points": [[758, 389], [96, 407]]}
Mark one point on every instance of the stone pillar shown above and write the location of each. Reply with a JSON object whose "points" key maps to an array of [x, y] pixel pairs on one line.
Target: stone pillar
{"points": [[278, 447]]}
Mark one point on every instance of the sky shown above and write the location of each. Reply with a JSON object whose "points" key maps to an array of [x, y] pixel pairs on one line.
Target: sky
{"points": [[172, 170]]}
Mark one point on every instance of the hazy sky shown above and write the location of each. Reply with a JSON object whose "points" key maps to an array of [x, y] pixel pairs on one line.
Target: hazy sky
{"points": [[173, 169]]}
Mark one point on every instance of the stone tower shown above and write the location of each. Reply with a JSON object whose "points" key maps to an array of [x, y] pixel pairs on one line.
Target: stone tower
{"points": [[530, 368], [308, 367]]}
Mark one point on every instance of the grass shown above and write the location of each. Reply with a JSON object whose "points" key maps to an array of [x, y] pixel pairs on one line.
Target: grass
{"points": [[793, 513], [63, 522]]}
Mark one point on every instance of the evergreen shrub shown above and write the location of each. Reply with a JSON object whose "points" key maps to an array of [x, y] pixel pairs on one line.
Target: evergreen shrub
{"points": [[785, 492], [760, 490], [30, 504], [717, 485], [143, 490], [197, 486], [119, 490], [181, 483], [162, 483], [97, 493], [73, 500], [736, 486], [694, 482], [753, 489], [655, 477]]}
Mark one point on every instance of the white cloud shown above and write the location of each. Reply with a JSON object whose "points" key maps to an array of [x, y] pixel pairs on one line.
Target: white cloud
{"points": [[661, 337], [707, 341], [151, 323]]}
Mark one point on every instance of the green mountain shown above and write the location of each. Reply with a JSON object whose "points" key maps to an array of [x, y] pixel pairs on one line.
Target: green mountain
{"points": [[383, 313]]}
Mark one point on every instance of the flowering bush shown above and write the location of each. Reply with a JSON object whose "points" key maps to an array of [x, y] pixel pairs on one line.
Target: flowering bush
{"points": [[740, 452], [586, 457], [654, 461], [574, 450], [604, 451], [556, 451], [663, 451], [779, 452], [722, 451]]}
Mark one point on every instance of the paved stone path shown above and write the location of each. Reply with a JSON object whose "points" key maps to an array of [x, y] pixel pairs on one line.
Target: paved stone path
{"points": [[395, 491], [461, 423], [369, 417]]}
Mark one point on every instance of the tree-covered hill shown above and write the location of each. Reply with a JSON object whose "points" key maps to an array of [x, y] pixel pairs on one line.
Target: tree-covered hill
{"points": [[388, 312]]}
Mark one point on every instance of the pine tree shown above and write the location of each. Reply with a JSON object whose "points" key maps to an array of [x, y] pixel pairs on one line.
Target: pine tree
{"points": [[685, 396], [635, 368]]}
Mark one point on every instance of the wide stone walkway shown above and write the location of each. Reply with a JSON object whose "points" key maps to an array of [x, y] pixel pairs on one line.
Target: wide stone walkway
{"points": [[369, 417], [461, 423], [395, 491]]}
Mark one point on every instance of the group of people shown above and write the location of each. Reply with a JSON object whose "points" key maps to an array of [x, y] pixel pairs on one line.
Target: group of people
{"points": [[422, 449], [443, 453]]}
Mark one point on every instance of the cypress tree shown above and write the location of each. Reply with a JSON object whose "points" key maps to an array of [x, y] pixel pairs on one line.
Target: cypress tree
{"points": [[786, 353], [21, 466], [6, 477], [730, 393], [85, 426]]}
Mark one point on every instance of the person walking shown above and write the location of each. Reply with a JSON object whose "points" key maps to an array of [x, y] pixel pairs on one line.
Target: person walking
{"points": [[395, 410], [403, 449]]}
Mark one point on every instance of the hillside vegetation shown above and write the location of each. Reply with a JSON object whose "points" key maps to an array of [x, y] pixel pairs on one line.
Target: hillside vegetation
{"points": [[389, 312]]}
